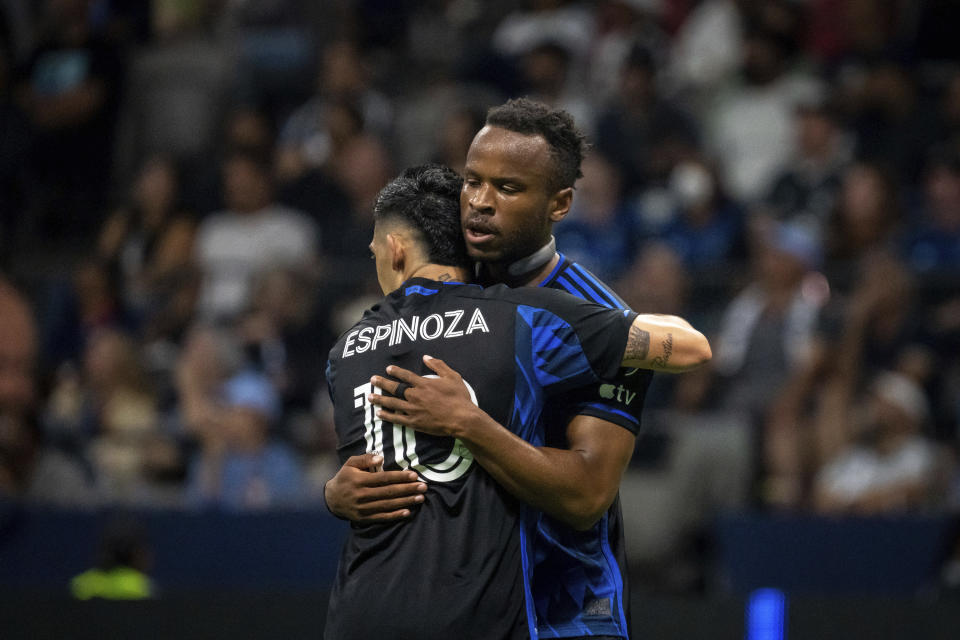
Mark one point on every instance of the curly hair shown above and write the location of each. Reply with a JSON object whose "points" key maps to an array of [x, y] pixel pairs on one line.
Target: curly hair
{"points": [[426, 197], [567, 143]]}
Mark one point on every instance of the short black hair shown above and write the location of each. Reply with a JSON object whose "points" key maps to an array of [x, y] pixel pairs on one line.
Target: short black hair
{"points": [[567, 143], [427, 198]]}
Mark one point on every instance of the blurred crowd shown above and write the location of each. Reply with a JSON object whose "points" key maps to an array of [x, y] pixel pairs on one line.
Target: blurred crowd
{"points": [[185, 206]]}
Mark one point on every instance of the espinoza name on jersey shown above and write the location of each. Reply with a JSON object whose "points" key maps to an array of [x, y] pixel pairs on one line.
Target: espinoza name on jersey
{"points": [[448, 325]]}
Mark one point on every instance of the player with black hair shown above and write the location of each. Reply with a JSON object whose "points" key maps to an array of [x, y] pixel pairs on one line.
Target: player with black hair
{"points": [[519, 177], [459, 567], [566, 143], [416, 196]]}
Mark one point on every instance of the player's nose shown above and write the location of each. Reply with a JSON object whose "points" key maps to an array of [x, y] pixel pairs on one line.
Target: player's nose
{"points": [[481, 199]]}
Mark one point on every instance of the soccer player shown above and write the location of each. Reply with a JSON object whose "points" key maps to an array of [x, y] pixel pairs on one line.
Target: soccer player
{"points": [[457, 569], [519, 177]]}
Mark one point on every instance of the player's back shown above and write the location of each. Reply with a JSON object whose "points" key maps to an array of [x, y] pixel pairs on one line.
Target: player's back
{"points": [[455, 568]]}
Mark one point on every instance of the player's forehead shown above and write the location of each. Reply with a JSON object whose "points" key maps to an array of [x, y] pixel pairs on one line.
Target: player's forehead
{"points": [[498, 152]]}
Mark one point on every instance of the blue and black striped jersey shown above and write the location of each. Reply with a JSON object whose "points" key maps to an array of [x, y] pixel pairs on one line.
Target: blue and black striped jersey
{"points": [[461, 566], [580, 584]]}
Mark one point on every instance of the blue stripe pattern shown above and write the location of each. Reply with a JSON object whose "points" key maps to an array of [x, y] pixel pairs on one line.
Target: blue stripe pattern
{"points": [[615, 300], [557, 354], [596, 297], [574, 569]]}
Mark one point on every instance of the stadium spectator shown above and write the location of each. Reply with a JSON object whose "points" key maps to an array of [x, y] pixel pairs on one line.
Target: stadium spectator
{"points": [[881, 331], [867, 217], [707, 50], [888, 465], [750, 130], [230, 410], [568, 24], [545, 76], [659, 282], [126, 447], [306, 137], [239, 465], [70, 88], [934, 244], [766, 330], [29, 470], [806, 191], [274, 44], [597, 231], [706, 226], [456, 132], [148, 240], [108, 412], [884, 112], [358, 162], [622, 27], [287, 334], [124, 560], [640, 130], [177, 91], [252, 234], [75, 309]]}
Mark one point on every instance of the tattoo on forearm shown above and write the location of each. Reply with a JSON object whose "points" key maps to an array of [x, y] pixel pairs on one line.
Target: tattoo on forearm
{"points": [[638, 344], [443, 277], [661, 361]]}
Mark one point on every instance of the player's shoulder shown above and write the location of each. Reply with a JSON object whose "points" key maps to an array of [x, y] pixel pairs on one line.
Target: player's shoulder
{"points": [[579, 281], [371, 317], [556, 301]]}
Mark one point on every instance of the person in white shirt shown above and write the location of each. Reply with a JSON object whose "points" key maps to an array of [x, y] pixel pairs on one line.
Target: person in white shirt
{"points": [[892, 466], [252, 234]]}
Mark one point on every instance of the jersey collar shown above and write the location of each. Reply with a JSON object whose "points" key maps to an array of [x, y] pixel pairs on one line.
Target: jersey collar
{"points": [[425, 286]]}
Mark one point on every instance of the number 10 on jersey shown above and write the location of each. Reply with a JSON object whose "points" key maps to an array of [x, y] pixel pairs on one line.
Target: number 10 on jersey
{"points": [[404, 442]]}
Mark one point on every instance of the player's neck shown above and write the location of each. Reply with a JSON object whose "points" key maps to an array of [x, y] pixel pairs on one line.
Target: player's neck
{"points": [[529, 271], [440, 272]]}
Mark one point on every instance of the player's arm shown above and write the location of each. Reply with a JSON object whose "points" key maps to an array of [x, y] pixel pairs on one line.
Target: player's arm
{"points": [[361, 491], [665, 343], [574, 485]]}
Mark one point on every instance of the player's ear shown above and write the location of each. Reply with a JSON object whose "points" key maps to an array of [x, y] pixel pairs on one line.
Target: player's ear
{"points": [[398, 255], [560, 204]]}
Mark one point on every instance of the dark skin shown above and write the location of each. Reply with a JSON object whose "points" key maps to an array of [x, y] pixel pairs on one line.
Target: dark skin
{"points": [[508, 207]]}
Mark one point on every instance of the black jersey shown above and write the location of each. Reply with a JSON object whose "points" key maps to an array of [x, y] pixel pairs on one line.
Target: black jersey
{"points": [[461, 566]]}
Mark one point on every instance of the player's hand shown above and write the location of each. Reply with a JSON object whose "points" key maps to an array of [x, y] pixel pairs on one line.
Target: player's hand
{"points": [[434, 405], [360, 495]]}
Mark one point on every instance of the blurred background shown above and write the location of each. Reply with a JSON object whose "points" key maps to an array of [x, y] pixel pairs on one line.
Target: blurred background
{"points": [[185, 204]]}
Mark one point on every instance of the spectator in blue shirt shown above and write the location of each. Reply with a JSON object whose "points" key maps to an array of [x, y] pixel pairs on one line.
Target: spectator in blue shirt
{"points": [[239, 466]]}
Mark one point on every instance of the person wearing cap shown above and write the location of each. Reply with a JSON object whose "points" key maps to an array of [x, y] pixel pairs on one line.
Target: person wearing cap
{"points": [[239, 466], [889, 465]]}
